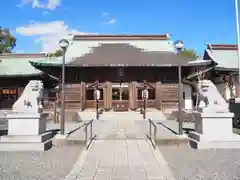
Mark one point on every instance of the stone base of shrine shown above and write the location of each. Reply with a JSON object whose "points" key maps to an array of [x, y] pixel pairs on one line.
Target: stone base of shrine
{"points": [[199, 141], [26, 132], [214, 130], [41, 142]]}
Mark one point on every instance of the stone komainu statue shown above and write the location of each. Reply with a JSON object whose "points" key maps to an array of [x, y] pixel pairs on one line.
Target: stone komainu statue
{"points": [[210, 95], [31, 99]]}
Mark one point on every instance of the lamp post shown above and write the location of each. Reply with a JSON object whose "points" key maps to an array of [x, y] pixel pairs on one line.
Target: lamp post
{"points": [[96, 95], [64, 45], [238, 47], [179, 45], [145, 98]]}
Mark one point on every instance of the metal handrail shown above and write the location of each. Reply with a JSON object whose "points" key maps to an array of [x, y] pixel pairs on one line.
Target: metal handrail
{"points": [[149, 136], [55, 114], [90, 123]]}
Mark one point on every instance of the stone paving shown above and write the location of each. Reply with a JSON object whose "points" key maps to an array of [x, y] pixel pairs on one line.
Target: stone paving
{"points": [[121, 152], [121, 160]]}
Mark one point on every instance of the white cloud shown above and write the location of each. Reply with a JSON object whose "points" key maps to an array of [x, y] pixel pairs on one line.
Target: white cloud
{"points": [[48, 33], [105, 14], [112, 21], [50, 4]]}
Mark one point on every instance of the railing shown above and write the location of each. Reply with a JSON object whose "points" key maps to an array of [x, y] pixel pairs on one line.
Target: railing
{"points": [[152, 135], [89, 140], [55, 115]]}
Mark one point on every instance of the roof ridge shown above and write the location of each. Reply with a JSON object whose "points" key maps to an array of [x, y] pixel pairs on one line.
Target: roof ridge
{"points": [[222, 46], [23, 55], [122, 37]]}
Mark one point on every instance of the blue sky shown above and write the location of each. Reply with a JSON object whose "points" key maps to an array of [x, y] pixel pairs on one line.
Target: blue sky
{"points": [[38, 23]]}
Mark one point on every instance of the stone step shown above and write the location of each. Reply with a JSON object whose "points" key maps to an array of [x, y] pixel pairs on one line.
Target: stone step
{"points": [[25, 146], [214, 144], [26, 139]]}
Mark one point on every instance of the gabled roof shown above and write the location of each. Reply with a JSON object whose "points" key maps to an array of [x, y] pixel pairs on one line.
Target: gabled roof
{"points": [[82, 44], [121, 54], [128, 55], [225, 55]]}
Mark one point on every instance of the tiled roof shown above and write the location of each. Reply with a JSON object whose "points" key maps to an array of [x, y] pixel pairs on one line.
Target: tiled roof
{"points": [[123, 55], [49, 61], [128, 55], [225, 56], [17, 67]]}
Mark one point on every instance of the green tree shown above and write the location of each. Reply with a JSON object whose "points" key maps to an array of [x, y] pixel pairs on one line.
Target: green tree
{"points": [[58, 53], [189, 53], [7, 41]]}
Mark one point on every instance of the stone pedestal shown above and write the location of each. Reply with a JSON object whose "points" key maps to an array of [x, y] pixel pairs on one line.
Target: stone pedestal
{"points": [[188, 97], [26, 124], [26, 132], [214, 130]]}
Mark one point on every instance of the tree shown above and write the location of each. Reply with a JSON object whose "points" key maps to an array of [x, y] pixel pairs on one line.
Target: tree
{"points": [[189, 53], [7, 41], [57, 53]]}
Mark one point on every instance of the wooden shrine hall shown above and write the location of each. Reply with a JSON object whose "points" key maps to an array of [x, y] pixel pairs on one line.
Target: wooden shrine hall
{"points": [[120, 68]]}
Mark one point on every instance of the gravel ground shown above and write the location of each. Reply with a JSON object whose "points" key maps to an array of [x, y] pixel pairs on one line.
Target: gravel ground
{"points": [[211, 164], [54, 164]]}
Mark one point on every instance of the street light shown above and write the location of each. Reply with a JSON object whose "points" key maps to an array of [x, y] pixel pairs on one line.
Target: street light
{"points": [[63, 45], [145, 98], [96, 95], [179, 45], [238, 47]]}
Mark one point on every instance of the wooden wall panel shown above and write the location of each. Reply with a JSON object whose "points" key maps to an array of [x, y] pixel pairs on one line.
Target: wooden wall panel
{"points": [[107, 95], [158, 95], [83, 96], [133, 95]]}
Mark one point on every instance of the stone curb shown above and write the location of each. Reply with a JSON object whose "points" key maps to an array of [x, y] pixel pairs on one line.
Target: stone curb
{"points": [[162, 164], [73, 174]]}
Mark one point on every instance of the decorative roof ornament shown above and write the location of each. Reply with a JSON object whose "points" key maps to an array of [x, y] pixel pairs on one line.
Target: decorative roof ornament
{"points": [[169, 35], [209, 46]]}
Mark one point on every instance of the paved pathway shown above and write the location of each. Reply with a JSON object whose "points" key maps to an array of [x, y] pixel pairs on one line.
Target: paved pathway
{"points": [[121, 152], [120, 129], [121, 160]]}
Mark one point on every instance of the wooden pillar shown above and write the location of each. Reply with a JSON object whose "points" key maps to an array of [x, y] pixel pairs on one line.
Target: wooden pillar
{"points": [[158, 95], [83, 95], [19, 91], [133, 95], [107, 95]]}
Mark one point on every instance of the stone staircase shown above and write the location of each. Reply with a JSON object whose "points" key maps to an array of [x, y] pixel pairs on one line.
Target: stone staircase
{"points": [[3, 120], [128, 115], [132, 115], [72, 97]]}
